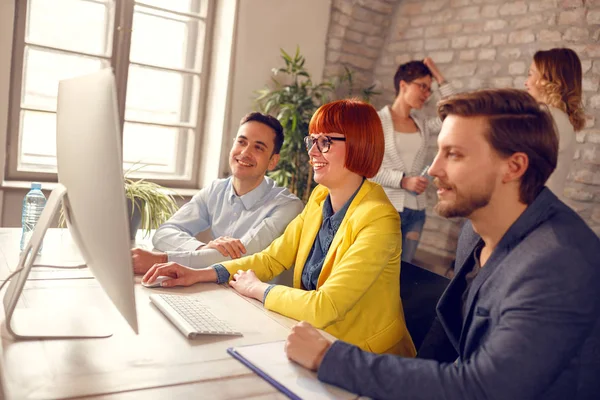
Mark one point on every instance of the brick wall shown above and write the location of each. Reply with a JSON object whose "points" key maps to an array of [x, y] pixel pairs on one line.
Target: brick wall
{"points": [[477, 44], [357, 33]]}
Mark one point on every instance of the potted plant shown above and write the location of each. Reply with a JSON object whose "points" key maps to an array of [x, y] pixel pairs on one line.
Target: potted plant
{"points": [[153, 205], [293, 100]]}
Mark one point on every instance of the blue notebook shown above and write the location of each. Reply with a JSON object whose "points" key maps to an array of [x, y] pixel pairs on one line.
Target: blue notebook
{"points": [[268, 360]]}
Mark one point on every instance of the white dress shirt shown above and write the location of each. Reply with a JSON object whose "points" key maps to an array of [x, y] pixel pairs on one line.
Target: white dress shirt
{"points": [[256, 218]]}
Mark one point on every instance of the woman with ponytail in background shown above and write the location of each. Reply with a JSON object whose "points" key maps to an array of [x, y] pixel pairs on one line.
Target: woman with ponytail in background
{"points": [[554, 79], [407, 134]]}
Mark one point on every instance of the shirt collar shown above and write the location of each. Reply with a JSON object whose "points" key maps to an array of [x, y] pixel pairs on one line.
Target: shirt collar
{"points": [[338, 217], [251, 198]]}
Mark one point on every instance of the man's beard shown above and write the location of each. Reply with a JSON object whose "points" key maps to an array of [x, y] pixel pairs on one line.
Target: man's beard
{"points": [[463, 206]]}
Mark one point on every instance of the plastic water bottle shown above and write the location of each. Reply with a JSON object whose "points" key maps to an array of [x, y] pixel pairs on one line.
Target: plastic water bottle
{"points": [[424, 174], [33, 204]]}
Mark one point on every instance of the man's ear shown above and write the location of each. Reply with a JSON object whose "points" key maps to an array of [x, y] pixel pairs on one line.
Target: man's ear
{"points": [[273, 162], [517, 165]]}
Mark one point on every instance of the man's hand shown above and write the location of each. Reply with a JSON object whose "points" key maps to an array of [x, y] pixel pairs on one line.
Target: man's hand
{"points": [[437, 75], [182, 276], [143, 259], [416, 184], [306, 346], [228, 246], [247, 284]]}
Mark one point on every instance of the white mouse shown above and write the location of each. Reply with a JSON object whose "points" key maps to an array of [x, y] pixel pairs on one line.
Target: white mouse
{"points": [[158, 282]]}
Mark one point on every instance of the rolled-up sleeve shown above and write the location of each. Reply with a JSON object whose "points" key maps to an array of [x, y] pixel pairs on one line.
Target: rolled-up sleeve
{"points": [[177, 234], [255, 240]]}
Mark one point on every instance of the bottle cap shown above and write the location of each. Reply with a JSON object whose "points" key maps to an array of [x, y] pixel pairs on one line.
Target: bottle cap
{"points": [[36, 185]]}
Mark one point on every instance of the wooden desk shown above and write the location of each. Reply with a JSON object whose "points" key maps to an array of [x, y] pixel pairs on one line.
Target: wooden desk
{"points": [[158, 363], [58, 249]]}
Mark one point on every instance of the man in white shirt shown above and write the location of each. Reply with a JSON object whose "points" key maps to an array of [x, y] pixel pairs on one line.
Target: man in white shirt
{"points": [[244, 212]]}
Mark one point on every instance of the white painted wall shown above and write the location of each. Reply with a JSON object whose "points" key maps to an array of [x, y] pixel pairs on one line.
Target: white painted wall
{"points": [[7, 10], [263, 27]]}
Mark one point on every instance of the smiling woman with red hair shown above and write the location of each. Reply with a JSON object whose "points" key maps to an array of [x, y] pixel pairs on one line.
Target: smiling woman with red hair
{"points": [[345, 245]]}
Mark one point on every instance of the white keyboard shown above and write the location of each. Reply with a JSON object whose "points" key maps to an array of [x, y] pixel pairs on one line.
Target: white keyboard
{"points": [[191, 316]]}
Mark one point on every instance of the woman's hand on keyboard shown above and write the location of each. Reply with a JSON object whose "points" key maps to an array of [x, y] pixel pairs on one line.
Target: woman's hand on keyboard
{"points": [[182, 276]]}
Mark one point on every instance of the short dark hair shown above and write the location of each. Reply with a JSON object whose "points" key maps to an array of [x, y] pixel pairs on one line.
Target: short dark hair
{"points": [[410, 71], [271, 122], [517, 123]]}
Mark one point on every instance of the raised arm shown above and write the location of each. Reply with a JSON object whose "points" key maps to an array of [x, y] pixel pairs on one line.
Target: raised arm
{"points": [[434, 125], [437, 75]]}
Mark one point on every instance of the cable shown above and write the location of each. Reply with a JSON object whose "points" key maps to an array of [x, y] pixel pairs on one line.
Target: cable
{"points": [[79, 266], [7, 279]]}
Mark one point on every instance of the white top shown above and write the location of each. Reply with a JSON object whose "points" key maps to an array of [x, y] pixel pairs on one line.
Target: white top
{"points": [[393, 167], [408, 145], [566, 151]]}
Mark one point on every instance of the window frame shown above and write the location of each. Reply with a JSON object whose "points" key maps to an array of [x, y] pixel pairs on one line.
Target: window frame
{"points": [[120, 63]]}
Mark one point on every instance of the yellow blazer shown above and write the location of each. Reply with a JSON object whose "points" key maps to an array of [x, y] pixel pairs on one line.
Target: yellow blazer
{"points": [[358, 295]]}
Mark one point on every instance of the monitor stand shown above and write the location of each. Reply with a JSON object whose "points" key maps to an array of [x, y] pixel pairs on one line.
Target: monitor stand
{"points": [[34, 323]]}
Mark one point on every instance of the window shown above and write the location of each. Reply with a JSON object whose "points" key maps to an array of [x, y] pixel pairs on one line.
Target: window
{"points": [[156, 49]]}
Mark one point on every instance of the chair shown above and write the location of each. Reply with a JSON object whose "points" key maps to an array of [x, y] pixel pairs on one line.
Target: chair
{"points": [[420, 290]]}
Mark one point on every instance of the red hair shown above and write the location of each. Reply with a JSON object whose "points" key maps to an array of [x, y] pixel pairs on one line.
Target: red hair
{"points": [[360, 124]]}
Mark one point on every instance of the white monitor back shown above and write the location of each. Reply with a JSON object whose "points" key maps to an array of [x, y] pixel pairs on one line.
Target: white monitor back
{"points": [[88, 144], [90, 175]]}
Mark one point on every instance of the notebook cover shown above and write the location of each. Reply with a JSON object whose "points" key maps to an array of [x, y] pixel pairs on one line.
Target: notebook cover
{"points": [[262, 374], [269, 361]]}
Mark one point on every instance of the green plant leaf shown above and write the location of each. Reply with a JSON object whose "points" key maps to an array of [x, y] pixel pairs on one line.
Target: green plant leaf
{"points": [[286, 56], [157, 204]]}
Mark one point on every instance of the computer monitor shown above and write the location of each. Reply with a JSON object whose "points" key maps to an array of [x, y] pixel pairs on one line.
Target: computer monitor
{"points": [[90, 176]]}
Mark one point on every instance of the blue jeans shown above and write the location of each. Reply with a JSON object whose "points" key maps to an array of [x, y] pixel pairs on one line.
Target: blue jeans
{"points": [[411, 224]]}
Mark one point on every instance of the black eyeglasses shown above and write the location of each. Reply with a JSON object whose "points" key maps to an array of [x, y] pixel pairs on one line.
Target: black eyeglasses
{"points": [[323, 142], [423, 86]]}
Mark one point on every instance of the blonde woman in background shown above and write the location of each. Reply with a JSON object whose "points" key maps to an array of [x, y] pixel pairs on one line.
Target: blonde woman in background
{"points": [[555, 80]]}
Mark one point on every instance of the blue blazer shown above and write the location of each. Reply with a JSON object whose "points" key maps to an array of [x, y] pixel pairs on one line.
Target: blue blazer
{"points": [[531, 330]]}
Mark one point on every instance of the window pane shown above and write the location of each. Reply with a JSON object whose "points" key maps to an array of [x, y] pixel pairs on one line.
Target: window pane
{"points": [[43, 69], [38, 141], [162, 150], [71, 24], [187, 6], [166, 40], [161, 96]]}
